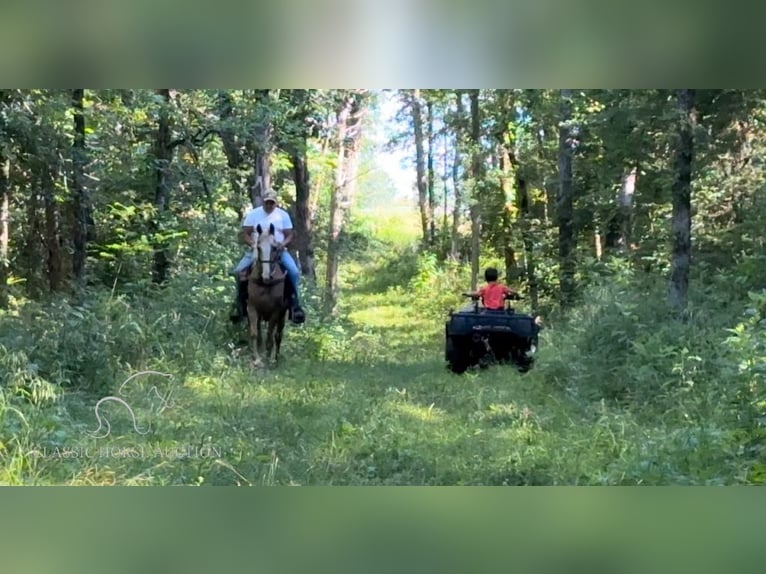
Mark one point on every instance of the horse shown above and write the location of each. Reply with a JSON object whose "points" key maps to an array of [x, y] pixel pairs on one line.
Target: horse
{"points": [[266, 299]]}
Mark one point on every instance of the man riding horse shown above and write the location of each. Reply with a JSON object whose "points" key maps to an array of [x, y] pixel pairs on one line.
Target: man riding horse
{"points": [[268, 214]]}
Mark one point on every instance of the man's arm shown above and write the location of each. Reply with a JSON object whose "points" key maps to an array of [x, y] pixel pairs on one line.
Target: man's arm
{"points": [[246, 235], [287, 229], [289, 236], [248, 228]]}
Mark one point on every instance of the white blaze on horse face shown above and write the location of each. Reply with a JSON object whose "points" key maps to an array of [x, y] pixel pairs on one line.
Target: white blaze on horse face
{"points": [[264, 241], [256, 237]]}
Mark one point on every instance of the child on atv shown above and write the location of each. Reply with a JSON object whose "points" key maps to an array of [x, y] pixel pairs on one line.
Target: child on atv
{"points": [[492, 294]]}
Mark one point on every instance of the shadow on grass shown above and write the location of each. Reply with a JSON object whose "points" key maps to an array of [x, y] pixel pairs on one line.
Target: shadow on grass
{"points": [[384, 423]]}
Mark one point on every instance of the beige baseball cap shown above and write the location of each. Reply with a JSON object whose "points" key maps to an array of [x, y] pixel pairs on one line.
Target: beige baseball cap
{"points": [[270, 196]]}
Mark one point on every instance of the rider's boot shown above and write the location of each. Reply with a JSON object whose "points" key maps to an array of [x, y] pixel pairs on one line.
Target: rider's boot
{"points": [[239, 310], [297, 315]]}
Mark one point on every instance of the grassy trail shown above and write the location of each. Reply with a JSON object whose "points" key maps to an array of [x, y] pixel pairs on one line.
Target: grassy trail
{"points": [[372, 404], [364, 399]]}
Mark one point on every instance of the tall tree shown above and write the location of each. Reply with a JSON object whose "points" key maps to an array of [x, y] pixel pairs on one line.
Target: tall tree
{"points": [[527, 236], [4, 218], [262, 139], [684, 155], [477, 176], [445, 190], [416, 109], [504, 138], [48, 174], [430, 171], [163, 156], [232, 147], [83, 218], [5, 193], [506, 244], [618, 232], [303, 225], [457, 207], [349, 136], [297, 148], [565, 203]]}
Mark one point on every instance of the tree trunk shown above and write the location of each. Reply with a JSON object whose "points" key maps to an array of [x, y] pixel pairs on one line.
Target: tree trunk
{"points": [[619, 227], [597, 243], [564, 205], [524, 220], [627, 191], [232, 149], [445, 192], [740, 158], [349, 139], [328, 142], [430, 168], [457, 206], [509, 255], [127, 98], [83, 212], [163, 156], [52, 231], [33, 249], [417, 120], [5, 193], [506, 246], [262, 158], [526, 235], [549, 195], [353, 147], [679, 275], [197, 162], [302, 214], [477, 176], [262, 177]]}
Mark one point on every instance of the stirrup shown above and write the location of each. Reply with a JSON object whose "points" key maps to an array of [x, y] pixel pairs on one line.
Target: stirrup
{"points": [[297, 315], [236, 315]]}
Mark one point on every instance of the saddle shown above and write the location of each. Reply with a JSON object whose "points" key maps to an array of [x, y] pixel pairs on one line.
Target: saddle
{"points": [[278, 275]]}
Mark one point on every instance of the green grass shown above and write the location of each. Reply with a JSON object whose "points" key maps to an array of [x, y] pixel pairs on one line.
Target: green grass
{"points": [[620, 395]]}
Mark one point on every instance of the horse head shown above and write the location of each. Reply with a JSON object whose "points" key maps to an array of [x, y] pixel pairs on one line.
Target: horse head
{"points": [[265, 253]]}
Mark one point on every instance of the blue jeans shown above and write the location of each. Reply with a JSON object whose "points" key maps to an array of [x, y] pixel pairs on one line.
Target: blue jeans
{"points": [[286, 260]]}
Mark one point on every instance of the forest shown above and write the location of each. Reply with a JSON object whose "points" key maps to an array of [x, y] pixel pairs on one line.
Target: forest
{"points": [[631, 222]]}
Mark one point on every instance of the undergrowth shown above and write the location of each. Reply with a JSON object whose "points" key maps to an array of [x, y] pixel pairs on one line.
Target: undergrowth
{"points": [[625, 390]]}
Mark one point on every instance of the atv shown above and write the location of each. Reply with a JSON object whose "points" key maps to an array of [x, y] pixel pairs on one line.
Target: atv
{"points": [[476, 335]]}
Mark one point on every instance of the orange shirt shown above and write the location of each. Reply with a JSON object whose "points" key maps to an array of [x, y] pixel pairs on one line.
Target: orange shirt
{"points": [[493, 295]]}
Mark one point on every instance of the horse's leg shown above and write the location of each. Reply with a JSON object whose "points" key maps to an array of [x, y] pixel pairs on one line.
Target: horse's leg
{"points": [[270, 340], [260, 335], [278, 334], [255, 334]]}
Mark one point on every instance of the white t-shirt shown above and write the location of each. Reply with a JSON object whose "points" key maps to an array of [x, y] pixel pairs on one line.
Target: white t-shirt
{"points": [[279, 217]]}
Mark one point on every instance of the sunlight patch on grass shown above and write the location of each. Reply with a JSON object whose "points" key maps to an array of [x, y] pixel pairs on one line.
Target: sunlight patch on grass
{"points": [[394, 297], [203, 385], [420, 412], [386, 316]]}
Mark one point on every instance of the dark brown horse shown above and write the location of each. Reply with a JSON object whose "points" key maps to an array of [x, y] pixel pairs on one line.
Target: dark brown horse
{"points": [[266, 295]]}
